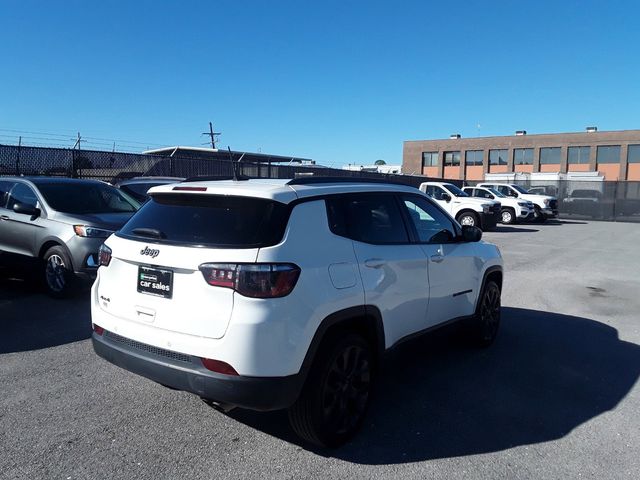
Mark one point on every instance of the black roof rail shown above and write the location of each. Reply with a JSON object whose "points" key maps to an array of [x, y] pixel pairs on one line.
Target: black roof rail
{"points": [[211, 178], [316, 180]]}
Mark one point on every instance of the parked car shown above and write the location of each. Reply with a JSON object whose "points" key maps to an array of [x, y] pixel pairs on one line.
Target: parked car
{"points": [[272, 294], [465, 209], [60, 222], [513, 209], [545, 206], [137, 187], [550, 190]]}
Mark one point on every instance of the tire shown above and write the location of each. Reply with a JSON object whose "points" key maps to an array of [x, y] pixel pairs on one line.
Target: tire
{"points": [[336, 395], [486, 321], [468, 218], [538, 215], [508, 216], [59, 279]]}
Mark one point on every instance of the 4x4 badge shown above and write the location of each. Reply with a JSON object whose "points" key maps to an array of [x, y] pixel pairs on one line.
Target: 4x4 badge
{"points": [[152, 252]]}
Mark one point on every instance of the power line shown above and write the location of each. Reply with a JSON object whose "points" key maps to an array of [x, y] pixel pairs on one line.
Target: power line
{"points": [[60, 136]]}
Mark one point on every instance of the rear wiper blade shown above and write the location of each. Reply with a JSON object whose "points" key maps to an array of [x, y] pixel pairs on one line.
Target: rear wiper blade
{"points": [[148, 232]]}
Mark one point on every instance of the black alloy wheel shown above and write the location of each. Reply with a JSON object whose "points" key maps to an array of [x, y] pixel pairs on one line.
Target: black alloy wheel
{"points": [[488, 315], [58, 272], [345, 391], [336, 395]]}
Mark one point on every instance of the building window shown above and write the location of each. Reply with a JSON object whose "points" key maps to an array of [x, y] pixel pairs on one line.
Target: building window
{"points": [[429, 159], [633, 154], [473, 157], [579, 155], [498, 157], [451, 159], [608, 154], [549, 155], [523, 156]]}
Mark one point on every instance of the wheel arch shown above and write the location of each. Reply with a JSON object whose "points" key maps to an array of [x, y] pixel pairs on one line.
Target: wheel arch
{"points": [[493, 273], [467, 210], [365, 320], [54, 242]]}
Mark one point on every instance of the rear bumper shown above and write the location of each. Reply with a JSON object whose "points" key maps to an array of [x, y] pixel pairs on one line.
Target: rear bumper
{"points": [[184, 372]]}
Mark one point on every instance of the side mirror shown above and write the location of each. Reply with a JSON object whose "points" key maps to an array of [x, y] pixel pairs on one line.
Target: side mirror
{"points": [[471, 234], [446, 197], [26, 209], [443, 236]]}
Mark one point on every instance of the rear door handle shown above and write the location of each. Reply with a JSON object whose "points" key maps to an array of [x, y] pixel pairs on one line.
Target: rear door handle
{"points": [[374, 262], [437, 258], [4, 217]]}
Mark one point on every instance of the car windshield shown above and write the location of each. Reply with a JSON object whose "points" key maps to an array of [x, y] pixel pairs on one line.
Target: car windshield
{"points": [[86, 198], [585, 193], [455, 190], [519, 189], [496, 193]]}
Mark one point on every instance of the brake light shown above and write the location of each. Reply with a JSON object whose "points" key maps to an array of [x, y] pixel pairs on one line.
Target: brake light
{"points": [[255, 280], [104, 256], [218, 366], [190, 189], [98, 329]]}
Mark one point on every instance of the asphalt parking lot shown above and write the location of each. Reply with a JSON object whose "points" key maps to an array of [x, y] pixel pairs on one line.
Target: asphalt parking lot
{"points": [[557, 396]]}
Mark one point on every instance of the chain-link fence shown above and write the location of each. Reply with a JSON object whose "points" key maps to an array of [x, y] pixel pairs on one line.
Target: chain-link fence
{"points": [[590, 200], [116, 166], [617, 201]]}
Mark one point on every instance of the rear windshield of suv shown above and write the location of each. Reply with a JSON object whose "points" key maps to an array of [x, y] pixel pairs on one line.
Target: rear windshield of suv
{"points": [[209, 220], [86, 198]]}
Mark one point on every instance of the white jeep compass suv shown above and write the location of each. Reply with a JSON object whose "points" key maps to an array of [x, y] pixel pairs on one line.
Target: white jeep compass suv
{"points": [[272, 294]]}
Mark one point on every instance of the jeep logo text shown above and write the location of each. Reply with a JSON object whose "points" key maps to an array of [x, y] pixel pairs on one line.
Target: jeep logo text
{"points": [[153, 253]]}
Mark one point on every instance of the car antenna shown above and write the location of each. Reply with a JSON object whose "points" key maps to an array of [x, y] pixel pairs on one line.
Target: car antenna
{"points": [[235, 165]]}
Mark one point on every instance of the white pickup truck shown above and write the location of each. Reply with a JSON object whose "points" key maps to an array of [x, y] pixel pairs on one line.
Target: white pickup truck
{"points": [[545, 206], [513, 209], [467, 210]]}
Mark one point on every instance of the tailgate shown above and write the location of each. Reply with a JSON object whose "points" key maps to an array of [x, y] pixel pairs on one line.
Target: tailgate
{"points": [[161, 285]]}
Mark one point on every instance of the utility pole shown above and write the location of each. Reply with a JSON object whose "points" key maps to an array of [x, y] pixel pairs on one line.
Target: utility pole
{"points": [[212, 135], [74, 171], [18, 155], [77, 144]]}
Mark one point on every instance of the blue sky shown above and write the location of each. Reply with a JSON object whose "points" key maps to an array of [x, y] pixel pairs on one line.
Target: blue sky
{"points": [[338, 81]]}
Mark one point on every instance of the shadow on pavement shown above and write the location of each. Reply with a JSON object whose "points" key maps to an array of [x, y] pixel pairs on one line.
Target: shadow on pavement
{"points": [[546, 375], [30, 320], [564, 222], [503, 228]]}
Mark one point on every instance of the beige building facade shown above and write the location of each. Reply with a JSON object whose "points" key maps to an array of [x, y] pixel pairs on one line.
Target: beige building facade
{"points": [[614, 154]]}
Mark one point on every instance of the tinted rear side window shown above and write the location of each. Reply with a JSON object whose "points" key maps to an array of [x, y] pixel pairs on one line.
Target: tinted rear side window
{"points": [[209, 220], [367, 217]]}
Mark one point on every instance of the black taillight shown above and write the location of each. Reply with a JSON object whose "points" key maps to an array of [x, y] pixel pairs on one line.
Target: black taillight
{"points": [[104, 256], [256, 280]]}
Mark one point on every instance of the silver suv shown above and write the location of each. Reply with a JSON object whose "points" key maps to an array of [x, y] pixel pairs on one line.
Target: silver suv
{"points": [[61, 222]]}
